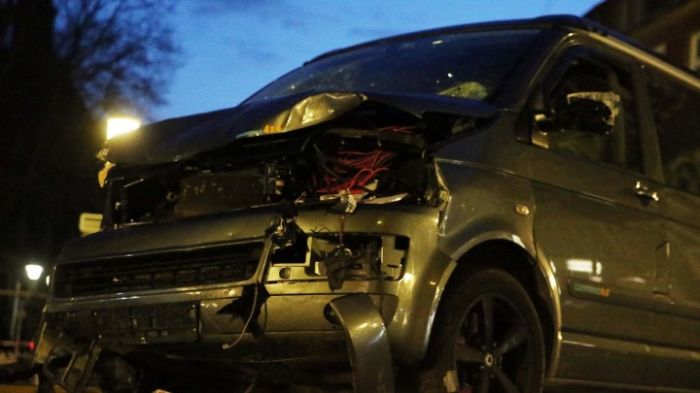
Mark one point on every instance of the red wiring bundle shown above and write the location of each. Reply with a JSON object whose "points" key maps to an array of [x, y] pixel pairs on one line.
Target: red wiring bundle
{"points": [[352, 170]]}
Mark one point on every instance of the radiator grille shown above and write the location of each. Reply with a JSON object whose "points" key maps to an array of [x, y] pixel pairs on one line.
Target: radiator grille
{"points": [[157, 271]]}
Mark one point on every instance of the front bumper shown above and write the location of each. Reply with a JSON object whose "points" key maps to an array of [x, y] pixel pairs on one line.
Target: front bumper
{"points": [[292, 314]]}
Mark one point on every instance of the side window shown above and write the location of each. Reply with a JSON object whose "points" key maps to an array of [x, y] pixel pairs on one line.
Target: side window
{"points": [[605, 128], [676, 110]]}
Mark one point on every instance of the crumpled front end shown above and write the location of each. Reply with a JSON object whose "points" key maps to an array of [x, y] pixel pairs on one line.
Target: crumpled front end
{"points": [[261, 257]]}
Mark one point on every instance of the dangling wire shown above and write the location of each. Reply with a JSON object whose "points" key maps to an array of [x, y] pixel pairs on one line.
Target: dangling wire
{"points": [[247, 323], [280, 227]]}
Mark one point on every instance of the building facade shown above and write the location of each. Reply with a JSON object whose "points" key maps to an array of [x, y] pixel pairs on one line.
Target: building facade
{"points": [[670, 27]]}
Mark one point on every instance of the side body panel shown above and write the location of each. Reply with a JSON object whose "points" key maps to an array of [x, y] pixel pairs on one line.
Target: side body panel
{"points": [[603, 244], [600, 229], [678, 311], [673, 108], [490, 197]]}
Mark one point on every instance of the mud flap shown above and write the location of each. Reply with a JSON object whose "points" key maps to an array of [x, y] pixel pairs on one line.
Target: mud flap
{"points": [[368, 343]]}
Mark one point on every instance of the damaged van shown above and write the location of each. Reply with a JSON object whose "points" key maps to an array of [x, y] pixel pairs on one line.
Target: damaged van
{"points": [[501, 207]]}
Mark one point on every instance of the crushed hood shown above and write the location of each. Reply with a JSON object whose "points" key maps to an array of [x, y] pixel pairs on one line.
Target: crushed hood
{"points": [[181, 138]]}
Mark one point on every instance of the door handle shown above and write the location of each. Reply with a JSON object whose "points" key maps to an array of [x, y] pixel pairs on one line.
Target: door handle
{"points": [[643, 191]]}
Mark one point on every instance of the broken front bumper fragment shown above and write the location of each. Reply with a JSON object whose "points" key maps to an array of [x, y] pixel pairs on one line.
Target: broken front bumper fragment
{"points": [[274, 299]]}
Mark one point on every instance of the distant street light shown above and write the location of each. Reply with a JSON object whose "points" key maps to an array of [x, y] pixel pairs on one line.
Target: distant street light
{"points": [[121, 125], [34, 272]]}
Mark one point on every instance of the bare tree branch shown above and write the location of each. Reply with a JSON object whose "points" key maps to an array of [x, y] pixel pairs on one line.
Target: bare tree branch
{"points": [[63, 64], [117, 51]]}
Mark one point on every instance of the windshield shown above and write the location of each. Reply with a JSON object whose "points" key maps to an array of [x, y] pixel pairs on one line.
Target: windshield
{"points": [[467, 65]]}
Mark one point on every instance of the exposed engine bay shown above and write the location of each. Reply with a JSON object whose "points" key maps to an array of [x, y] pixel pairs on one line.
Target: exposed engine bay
{"points": [[373, 154]]}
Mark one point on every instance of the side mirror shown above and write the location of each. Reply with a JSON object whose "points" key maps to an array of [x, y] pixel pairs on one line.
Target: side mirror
{"points": [[593, 112]]}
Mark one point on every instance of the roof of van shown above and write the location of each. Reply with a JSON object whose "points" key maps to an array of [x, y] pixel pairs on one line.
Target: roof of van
{"points": [[544, 22]]}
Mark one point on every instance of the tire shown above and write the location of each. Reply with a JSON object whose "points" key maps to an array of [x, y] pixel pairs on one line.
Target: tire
{"points": [[487, 338]]}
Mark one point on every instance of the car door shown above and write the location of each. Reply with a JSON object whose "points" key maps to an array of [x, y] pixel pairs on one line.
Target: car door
{"points": [[596, 222], [675, 105]]}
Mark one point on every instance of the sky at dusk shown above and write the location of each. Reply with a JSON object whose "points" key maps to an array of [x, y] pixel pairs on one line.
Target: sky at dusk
{"points": [[232, 48]]}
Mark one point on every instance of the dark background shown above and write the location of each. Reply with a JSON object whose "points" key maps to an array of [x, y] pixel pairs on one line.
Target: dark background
{"points": [[65, 65]]}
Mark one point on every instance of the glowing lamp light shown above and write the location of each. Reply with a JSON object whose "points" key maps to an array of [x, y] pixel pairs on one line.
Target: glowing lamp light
{"points": [[121, 125], [34, 271]]}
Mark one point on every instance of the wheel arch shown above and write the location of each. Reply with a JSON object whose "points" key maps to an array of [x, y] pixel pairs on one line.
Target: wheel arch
{"points": [[514, 259]]}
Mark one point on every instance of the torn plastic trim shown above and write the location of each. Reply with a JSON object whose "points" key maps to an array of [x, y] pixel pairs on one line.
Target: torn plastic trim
{"points": [[181, 138], [367, 341], [65, 360], [78, 364]]}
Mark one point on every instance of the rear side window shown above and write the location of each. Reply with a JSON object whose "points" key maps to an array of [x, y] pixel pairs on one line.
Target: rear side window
{"points": [[676, 110]]}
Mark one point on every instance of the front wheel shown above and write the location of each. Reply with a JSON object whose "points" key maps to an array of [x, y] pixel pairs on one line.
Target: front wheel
{"points": [[487, 338]]}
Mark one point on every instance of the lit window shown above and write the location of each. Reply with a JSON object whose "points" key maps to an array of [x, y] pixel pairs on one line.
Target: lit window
{"points": [[694, 60]]}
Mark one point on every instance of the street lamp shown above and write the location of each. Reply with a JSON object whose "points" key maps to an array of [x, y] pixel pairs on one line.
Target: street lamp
{"points": [[121, 125], [34, 271]]}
